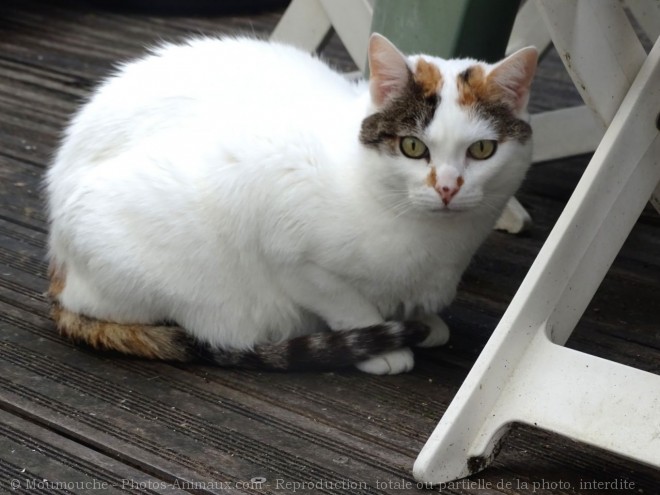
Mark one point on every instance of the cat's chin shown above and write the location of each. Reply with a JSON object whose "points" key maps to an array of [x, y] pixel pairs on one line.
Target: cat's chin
{"points": [[444, 211], [435, 213]]}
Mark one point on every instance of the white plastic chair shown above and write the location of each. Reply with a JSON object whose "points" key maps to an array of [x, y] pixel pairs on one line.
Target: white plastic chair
{"points": [[524, 374]]}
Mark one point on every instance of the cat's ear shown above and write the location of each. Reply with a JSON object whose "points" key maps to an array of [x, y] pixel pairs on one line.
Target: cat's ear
{"points": [[513, 77], [389, 72]]}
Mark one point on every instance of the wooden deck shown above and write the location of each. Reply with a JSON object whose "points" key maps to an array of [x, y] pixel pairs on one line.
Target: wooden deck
{"points": [[87, 422]]}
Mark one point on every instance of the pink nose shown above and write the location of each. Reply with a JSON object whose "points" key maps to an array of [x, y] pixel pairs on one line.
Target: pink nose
{"points": [[447, 193]]}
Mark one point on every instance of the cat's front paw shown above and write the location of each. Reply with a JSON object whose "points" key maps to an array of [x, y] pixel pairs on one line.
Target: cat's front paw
{"points": [[390, 363], [439, 334]]}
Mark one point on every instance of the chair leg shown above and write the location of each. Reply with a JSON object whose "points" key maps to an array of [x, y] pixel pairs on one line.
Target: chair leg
{"points": [[351, 20], [613, 191], [305, 24]]}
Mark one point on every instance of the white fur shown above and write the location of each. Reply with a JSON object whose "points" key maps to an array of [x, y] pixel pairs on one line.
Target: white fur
{"points": [[221, 184]]}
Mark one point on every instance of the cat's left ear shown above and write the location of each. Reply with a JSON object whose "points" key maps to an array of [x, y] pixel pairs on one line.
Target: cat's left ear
{"points": [[389, 72], [513, 77]]}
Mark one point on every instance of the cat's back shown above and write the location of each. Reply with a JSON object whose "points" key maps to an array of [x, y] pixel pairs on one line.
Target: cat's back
{"points": [[227, 78], [228, 68], [219, 86]]}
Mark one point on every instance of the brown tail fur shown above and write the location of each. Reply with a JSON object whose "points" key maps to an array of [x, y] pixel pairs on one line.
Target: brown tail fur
{"points": [[147, 341]]}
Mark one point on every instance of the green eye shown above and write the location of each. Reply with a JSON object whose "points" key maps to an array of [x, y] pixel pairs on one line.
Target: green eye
{"points": [[413, 147], [482, 149]]}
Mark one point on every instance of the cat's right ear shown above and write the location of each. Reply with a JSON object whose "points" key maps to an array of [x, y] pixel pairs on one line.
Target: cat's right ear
{"points": [[389, 72]]}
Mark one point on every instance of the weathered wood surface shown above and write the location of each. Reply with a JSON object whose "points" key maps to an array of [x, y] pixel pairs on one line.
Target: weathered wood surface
{"points": [[69, 415]]}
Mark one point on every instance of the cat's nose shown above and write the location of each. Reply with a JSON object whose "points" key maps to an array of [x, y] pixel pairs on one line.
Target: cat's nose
{"points": [[447, 192]]}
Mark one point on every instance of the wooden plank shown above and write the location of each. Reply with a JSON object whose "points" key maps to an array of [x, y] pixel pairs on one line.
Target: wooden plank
{"points": [[122, 418], [42, 460]]}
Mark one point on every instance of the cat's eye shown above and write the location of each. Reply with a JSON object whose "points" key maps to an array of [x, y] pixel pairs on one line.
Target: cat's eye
{"points": [[483, 149], [413, 147]]}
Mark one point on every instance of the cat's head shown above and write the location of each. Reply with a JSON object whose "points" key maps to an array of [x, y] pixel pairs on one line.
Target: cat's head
{"points": [[450, 135]]}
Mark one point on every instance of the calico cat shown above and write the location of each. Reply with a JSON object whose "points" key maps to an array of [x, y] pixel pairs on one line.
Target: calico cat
{"points": [[238, 202]]}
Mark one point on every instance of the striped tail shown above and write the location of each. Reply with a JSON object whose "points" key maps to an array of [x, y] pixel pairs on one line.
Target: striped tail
{"points": [[320, 351]]}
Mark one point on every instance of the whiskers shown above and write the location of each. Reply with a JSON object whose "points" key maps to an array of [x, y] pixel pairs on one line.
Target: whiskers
{"points": [[494, 203], [400, 202], [396, 201]]}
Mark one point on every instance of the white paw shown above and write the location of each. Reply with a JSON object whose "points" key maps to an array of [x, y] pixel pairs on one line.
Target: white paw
{"points": [[391, 363], [439, 334]]}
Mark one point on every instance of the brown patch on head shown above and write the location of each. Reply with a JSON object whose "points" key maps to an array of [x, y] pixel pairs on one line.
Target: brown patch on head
{"points": [[473, 86], [460, 181], [409, 113], [428, 77], [486, 98]]}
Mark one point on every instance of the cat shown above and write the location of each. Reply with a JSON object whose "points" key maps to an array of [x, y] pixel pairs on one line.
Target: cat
{"points": [[239, 202]]}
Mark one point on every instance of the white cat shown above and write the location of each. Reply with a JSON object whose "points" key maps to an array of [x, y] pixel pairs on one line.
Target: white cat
{"points": [[230, 199]]}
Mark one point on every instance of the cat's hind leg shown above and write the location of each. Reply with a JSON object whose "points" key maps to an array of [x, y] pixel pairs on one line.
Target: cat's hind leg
{"points": [[439, 334]]}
